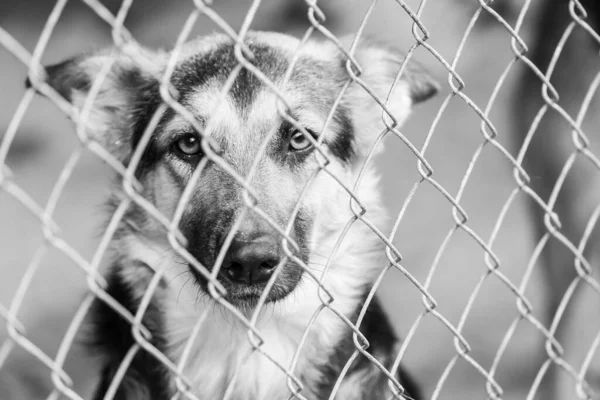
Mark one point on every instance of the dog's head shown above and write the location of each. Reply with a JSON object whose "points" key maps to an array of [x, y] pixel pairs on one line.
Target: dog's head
{"points": [[248, 134]]}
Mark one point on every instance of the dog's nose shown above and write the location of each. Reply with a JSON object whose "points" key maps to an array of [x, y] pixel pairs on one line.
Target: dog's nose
{"points": [[251, 261]]}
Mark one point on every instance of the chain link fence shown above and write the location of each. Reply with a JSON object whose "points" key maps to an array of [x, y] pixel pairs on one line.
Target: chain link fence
{"points": [[549, 147]]}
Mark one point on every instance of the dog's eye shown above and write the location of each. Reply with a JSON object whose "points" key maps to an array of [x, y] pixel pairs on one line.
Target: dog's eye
{"points": [[299, 141], [189, 145]]}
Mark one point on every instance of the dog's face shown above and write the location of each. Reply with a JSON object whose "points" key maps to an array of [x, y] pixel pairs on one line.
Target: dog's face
{"points": [[249, 136]]}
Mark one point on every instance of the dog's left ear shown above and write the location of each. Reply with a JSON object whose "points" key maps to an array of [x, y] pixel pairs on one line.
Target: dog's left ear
{"points": [[125, 94], [380, 66]]}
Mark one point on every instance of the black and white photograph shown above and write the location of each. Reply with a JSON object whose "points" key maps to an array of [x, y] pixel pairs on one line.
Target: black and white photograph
{"points": [[299, 199]]}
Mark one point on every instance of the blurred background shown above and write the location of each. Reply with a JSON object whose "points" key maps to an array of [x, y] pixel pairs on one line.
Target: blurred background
{"points": [[46, 139]]}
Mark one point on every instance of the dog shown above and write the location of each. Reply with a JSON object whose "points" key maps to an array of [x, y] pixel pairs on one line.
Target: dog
{"points": [[308, 213], [550, 148]]}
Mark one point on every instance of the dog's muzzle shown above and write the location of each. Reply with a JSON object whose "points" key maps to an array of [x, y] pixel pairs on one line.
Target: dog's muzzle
{"points": [[254, 254]]}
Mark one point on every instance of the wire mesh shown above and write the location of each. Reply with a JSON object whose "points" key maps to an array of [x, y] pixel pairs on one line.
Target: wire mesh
{"points": [[577, 22]]}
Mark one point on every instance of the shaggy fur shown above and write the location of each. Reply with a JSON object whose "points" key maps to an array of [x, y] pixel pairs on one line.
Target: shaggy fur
{"points": [[239, 124]]}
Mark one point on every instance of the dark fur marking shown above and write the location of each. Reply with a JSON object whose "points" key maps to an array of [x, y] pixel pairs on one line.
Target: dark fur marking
{"points": [[279, 148], [218, 64], [325, 82], [144, 105], [114, 339], [154, 151], [342, 146], [382, 339], [214, 206]]}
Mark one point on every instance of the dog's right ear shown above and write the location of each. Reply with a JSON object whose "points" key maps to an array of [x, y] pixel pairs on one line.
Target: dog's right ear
{"points": [[127, 96]]}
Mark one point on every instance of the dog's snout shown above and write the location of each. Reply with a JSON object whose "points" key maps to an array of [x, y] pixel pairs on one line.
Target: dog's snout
{"points": [[251, 261]]}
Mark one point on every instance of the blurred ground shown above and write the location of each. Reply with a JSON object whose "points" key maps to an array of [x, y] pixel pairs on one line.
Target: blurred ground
{"points": [[45, 141]]}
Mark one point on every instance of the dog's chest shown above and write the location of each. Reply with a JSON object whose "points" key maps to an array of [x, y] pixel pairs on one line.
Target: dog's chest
{"points": [[222, 354]]}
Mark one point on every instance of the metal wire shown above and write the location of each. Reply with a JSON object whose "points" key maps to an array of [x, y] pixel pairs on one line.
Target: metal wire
{"points": [[491, 263]]}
